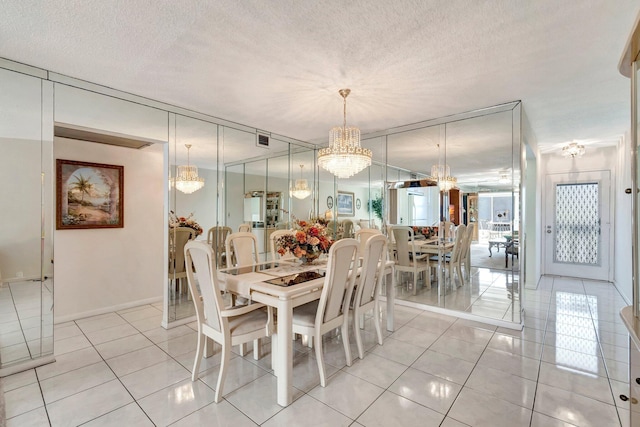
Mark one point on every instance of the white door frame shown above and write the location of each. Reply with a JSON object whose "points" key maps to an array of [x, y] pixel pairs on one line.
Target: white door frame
{"points": [[605, 271]]}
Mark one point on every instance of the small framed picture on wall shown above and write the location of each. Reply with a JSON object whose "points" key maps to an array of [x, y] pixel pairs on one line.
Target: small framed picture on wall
{"points": [[345, 203]]}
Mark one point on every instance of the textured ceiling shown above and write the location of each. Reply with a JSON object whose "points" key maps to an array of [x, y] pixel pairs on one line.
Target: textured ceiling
{"points": [[278, 65]]}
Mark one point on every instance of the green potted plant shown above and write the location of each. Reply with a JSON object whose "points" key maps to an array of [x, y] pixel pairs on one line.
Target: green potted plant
{"points": [[376, 206]]}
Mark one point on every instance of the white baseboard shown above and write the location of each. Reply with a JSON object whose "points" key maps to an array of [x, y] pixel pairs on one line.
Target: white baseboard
{"points": [[104, 310], [19, 279], [29, 364], [460, 314]]}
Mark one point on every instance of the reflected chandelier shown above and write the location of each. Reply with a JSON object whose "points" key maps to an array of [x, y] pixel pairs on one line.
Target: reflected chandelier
{"points": [[301, 190], [187, 179], [442, 174], [572, 150], [345, 156]]}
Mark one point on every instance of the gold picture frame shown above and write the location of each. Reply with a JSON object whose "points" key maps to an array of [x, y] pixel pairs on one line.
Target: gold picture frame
{"points": [[89, 195]]}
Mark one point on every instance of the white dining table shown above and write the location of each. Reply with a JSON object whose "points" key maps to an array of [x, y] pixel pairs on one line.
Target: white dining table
{"points": [[253, 282]]}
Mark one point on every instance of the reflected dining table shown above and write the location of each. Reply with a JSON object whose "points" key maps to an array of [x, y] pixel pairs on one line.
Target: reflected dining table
{"points": [[266, 283]]}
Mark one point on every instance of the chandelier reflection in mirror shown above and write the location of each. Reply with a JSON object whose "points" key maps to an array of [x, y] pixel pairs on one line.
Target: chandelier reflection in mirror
{"points": [[345, 156], [442, 174], [301, 190], [187, 179], [573, 150]]}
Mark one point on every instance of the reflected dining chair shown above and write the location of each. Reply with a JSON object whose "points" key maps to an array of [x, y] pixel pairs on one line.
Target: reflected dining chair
{"points": [[453, 262], [347, 229], [331, 311], [226, 326], [241, 249], [363, 235], [273, 242], [178, 238], [512, 248], [466, 252], [407, 257], [367, 291], [216, 237]]}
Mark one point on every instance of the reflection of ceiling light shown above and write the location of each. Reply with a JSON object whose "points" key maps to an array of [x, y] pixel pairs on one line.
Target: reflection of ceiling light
{"points": [[301, 190], [345, 156], [442, 174], [187, 179], [572, 150]]}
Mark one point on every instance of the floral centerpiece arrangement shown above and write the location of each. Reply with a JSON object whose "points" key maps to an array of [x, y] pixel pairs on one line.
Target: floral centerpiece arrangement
{"points": [[308, 242], [427, 232], [181, 221]]}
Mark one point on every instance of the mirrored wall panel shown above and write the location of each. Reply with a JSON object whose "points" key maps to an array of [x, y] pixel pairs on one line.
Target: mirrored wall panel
{"points": [[26, 246]]}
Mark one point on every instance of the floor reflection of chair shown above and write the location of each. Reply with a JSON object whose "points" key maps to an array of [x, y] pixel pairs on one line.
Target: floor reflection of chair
{"points": [[331, 311], [407, 256], [216, 237], [178, 238], [226, 326], [368, 290]]}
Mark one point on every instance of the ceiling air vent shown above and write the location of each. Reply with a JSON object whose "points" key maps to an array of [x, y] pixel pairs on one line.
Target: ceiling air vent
{"points": [[65, 130], [262, 139]]}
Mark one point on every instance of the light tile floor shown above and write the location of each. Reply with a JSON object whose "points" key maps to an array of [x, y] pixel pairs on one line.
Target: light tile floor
{"points": [[26, 321], [566, 368]]}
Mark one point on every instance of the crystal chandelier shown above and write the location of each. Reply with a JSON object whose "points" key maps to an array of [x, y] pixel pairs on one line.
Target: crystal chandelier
{"points": [[187, 179], [301, 190], [345, 156], [572, 150], [442, 174]]}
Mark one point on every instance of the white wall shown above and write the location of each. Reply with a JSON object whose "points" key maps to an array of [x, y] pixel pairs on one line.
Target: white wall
{"points": [[359, 192], [604, 158], [622, 235], [100, 270]]}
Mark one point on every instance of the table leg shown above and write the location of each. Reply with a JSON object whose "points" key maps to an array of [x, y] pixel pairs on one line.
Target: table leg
{"points": [[490, 246], [390, 281], [284, 356]]}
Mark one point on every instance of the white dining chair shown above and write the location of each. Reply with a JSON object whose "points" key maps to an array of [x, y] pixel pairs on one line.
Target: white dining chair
{"points": [[407, 256], [244, 228], [273, 243], [363, 235], [226, 326], [331, 311], [241, 249], [216, 237], [367, 291]]}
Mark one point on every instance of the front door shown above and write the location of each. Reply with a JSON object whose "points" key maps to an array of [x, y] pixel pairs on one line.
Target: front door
{"points": [[577, 226]]}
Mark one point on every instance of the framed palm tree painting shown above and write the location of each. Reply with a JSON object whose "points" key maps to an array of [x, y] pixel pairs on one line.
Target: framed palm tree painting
{"points": [[89, 195]]}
